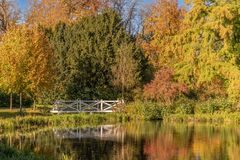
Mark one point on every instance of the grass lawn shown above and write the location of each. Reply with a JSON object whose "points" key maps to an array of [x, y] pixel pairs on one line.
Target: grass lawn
{"points": [[7, 113]]}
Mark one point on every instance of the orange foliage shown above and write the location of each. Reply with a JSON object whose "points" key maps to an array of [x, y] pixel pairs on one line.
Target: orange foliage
{"points": [[51, 12], [163, 87], [213, 89], [163, 21]]}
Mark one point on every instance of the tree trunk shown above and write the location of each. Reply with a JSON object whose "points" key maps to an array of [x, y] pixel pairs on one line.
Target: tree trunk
{"points": [[20, 102], [34, 104], [123, 85], [122, 91], [11, 101]]}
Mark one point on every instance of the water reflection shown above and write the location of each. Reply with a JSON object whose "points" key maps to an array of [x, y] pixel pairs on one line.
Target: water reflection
{"points": [[103, 132], [135, 140]]}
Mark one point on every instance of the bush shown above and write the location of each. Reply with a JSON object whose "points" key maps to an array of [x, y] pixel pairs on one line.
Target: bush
{"points": [[147, 110], [163, 87], [214, 105], [184, 106], [44, 108]]}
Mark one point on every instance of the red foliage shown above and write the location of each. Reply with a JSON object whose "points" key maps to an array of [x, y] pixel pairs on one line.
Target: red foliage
{"points": [[163, 87]]}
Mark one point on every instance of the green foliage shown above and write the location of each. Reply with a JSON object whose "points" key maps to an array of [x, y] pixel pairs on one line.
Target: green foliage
{"points": [[7, 153], [146, 110], [4, 100], [85, 53], [45, 109], [213, 106], [184, 106]]}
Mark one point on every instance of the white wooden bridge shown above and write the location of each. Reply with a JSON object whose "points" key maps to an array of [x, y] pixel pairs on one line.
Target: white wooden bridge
{"points": [[78, 106]]}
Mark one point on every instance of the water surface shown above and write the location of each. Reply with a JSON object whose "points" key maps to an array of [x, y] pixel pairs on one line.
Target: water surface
{"points": [[134, 140]]}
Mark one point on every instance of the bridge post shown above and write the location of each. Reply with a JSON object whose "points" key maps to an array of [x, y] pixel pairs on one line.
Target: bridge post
{"points": [[77, 105], [101, 105], [80, 103]]}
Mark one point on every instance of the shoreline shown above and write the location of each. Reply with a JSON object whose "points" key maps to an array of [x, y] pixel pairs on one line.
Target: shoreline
{"points": [[83, 119], [204, 118]]}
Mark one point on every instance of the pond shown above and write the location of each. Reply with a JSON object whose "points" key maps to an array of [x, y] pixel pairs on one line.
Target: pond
{"points": [[133, 140]]}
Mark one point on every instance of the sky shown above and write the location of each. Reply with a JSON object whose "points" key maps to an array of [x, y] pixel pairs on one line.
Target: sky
{"points": [[22, 3]]}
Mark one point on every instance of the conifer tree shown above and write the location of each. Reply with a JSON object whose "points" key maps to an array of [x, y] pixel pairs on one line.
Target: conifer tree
{"points": [[86, 52]]}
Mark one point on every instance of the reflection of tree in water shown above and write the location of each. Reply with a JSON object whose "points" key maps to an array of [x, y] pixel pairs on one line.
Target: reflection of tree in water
{"points": [[190, 142], [142, 140], [170, 143]]}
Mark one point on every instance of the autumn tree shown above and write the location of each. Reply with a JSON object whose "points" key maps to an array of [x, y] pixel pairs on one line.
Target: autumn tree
{"points": [[77, 9], [41, 66], [200, 43], [13, 61], [46, 12], [50, 12], [163, 87], [205, 47], [25, 63], [161, 23], [125, 74], [9, 14]]}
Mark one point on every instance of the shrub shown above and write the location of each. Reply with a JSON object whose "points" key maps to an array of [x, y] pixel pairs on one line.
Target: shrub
{"points": [[146, 110], [184, 106], [163, 87], [214, 105], [44, 108]]}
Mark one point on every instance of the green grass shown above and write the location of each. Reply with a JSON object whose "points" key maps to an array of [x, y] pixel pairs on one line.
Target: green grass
{"points": [[204, 118], [7, 113], [68, 120], [7, 153]]}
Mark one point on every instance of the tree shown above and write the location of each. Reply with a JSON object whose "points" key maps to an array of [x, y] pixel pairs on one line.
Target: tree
{"points": [[26, 62], [124, 70], [129, 11], [201, 44], [163, 87], [13, 61], [205, 47], [77, 9], [85, 53], [9, 14], [41, 66], [46, 12], [50, 12], [161, 23]]}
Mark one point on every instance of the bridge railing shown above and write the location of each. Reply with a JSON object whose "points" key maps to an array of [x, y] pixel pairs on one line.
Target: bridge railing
{"points": [[77, 106]]}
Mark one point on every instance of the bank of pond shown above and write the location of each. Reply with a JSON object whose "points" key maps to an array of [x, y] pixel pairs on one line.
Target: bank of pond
{"points": [[141, 130], [214, 111], [73, 120]]}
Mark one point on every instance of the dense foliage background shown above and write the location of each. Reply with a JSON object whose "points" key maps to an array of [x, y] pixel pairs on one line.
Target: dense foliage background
{"points": [[95, 50]]}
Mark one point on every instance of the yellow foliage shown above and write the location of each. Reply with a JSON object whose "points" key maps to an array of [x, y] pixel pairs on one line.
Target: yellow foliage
{"points": [[26, 61]]}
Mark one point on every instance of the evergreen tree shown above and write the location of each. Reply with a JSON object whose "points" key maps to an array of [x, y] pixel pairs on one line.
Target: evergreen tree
{"points": [[85, 53]]}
